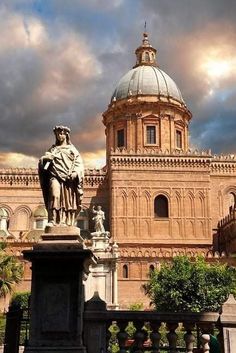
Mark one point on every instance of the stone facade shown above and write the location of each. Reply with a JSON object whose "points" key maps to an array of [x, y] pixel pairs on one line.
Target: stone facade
{"points": [[161, 199]]}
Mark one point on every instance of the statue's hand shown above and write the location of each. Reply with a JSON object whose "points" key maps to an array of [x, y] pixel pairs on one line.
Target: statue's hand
{"points": [[73, 175], [47, 157]]}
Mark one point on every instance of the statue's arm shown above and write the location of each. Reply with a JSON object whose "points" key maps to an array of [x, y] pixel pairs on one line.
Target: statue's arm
{"points": [[78, 167]]}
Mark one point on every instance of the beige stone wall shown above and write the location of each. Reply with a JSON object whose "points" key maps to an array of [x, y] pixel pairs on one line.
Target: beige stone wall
{"points": [[134, 187]]}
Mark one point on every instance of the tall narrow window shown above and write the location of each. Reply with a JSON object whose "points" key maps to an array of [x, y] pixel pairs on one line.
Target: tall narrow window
{"points": [[232, 202], [147, 58], [178, 139], [151, 135], [121, 138], [125, 271], [161, 207]]}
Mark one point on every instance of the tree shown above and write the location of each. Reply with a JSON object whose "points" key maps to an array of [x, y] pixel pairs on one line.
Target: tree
{"points": [[11, 271], [194, 286], [20, 299]]}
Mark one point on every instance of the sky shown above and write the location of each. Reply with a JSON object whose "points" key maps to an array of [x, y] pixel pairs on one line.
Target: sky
{"points": [[60, 62]]}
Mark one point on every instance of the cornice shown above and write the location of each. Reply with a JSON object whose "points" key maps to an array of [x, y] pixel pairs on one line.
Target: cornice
{"points": [[150, 159], [24, 177], [223, 164], [152, 253], [143, 104]]}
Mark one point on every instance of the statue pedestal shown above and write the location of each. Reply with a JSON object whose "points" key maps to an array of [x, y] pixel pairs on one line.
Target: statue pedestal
{"points": [[103, 274], [57, 296]]}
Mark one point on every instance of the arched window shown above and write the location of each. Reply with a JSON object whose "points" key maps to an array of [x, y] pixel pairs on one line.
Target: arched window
{"points": [[232, 202], [147, 58], [125, 271], [161, 207], [151, 268]]}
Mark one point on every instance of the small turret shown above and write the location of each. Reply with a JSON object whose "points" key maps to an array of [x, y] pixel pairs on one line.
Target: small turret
{"points": [[146, 54]]}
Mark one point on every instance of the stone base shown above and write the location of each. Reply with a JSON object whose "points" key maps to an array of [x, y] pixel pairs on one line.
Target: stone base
{"points": [[59, 233], [59, 349]]}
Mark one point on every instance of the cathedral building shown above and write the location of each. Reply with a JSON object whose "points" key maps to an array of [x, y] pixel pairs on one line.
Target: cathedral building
{"points": [[161, 198]]}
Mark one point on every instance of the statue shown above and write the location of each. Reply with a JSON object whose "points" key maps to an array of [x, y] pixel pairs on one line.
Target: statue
{"points": [[61, 174], [98, 219]]}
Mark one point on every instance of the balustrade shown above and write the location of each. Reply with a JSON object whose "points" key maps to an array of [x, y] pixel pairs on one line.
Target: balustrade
{"points": [[154, 332]]}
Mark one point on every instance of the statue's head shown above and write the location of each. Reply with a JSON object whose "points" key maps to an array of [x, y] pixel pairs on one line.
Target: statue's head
{"points": [[60, 129]]}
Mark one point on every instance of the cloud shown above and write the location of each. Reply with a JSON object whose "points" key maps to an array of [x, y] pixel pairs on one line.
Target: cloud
{"points": [[60, 62], [42, 79], [12, 160]]}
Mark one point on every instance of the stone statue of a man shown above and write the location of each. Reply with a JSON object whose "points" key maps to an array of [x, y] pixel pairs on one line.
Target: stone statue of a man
{"points": [[61, 174]]}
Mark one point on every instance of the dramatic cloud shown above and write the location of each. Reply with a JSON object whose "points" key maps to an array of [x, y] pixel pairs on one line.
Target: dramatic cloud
{"points": [[60, 62]]}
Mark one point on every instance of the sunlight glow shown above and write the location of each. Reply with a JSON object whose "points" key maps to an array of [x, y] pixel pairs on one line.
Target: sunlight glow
{"points": [[217, 68]]}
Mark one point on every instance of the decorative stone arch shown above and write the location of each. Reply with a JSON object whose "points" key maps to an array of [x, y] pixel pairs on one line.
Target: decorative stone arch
{"points": [[132, 254], [189, 204], [23, 223], [229, 199], [146, 201], [146, 253], [200, 204], [123, 203], [177, 204], [132, 204]]}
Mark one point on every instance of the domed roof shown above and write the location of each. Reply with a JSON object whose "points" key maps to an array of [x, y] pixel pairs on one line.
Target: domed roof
{"points": [[40, 212], [147, 80]]}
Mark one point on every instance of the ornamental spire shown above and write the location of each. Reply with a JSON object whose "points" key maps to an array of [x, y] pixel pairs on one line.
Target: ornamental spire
{"points": [[146, 54]]}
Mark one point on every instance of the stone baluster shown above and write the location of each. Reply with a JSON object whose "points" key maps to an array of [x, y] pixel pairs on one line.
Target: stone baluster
{"points": [[205, 339], [172, 337], [206, 329], [189, 337], [139, 337], [122, 336], [155, 337]]}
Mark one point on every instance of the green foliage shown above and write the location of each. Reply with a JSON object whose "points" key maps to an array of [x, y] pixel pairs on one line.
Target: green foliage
{"points": [[196, 286], [136, 307], [2, 328], [20, 299], [11, 271]]}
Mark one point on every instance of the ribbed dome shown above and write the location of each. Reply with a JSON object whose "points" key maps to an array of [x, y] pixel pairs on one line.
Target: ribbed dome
{"points": [[40, 212], [147, 80]]}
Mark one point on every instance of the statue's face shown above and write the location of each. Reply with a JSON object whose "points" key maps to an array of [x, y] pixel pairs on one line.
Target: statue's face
{"points": [[61, 136]]}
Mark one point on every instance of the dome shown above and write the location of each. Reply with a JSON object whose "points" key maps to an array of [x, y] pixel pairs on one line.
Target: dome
{"points": [[40, 212], [147, 80]]}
